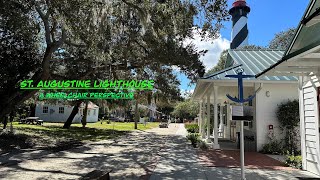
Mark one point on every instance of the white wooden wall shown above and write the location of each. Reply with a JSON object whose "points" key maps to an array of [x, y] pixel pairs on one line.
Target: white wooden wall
{"points": [[309, 117]]}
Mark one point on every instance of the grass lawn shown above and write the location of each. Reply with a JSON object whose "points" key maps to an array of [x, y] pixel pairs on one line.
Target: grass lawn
{"points": [[52, 134], [92, 132]]}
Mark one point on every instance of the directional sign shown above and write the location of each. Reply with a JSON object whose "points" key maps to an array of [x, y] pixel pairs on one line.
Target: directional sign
{"points": [[242, 113]]}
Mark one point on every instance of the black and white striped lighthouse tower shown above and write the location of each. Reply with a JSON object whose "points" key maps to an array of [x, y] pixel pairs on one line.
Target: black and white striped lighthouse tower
{"points": [[239, 12]]}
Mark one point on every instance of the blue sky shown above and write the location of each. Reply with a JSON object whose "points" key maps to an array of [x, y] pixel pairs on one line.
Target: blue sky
{"points": [[267, 17]]}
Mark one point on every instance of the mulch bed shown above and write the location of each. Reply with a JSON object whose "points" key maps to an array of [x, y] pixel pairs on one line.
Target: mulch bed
{"points": [[231, 159]]}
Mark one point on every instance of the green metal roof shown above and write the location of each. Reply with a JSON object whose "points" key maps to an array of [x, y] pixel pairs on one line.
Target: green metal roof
{"points": [[253, 62]]}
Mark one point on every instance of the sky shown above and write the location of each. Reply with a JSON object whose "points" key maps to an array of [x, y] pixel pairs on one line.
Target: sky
{"points": [[267, 17]]}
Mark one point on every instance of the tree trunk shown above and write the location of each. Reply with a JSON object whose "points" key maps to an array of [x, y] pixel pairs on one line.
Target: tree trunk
{"points": [[74, 112], [85, 115], [32, 110], [17, 97], [136, 115], [5, 122]]}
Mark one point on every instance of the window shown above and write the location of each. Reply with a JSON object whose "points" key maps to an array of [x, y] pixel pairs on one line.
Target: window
{"points": [[45, 109], [247, 124], [94, 112], [61, 110], [88, 112]]}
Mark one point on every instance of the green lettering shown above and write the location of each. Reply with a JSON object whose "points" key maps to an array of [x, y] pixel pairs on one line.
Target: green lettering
{"points": [[40, 84]]}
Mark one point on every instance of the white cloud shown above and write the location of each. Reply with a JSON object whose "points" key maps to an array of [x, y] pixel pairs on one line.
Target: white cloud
{"points": [[214, 47]]}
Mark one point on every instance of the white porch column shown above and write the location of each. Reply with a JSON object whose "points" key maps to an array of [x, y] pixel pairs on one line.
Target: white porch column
{"points": [[200, 118], [203, 119], [208, 118], [216, 143], [221, 119]]}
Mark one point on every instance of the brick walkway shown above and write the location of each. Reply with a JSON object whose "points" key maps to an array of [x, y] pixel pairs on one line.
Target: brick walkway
{"points": [[231, 159]]}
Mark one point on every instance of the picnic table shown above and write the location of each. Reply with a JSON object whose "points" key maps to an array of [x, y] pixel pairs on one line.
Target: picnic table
{"points": [[32, 120]]}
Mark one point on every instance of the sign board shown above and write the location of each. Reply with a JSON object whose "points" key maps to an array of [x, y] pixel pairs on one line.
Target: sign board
{"points": [[244, 113]]}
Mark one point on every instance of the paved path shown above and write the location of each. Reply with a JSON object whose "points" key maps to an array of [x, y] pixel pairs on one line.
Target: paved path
{"points": [[153, 154], [180, 161]]}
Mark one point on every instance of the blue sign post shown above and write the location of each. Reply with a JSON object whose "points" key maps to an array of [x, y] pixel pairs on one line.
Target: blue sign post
{"points": [[241, 100]]}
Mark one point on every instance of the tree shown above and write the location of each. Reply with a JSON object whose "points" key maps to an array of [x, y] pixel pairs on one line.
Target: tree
{"points": [[112, 39], [251, 47], [18, 52], [186, 109], [44, 22], [221, 63], [282, 40]]}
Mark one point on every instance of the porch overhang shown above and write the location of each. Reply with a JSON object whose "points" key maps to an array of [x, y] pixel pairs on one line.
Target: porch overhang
{"points": [[205, 86], [303, 54], [300, 65]]}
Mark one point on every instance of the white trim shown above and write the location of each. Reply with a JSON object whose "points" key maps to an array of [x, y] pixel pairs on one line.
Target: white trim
{"points": [[302, 123], [208, 117], [304, 63], [316, 107], [215, 103], [311, 56]]}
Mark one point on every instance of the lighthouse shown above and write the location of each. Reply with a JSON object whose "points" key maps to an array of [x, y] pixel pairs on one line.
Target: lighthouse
{"points": [[239, 35]]}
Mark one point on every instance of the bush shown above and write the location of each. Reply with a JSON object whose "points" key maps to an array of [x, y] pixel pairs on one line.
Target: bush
{"points": [[202, 144], [194, 138], [294, 161], [192, 128], [288, 116], [274, 147]]}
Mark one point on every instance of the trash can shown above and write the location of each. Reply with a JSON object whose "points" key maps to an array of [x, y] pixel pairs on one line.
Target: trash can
{"points": [[249, 141]]}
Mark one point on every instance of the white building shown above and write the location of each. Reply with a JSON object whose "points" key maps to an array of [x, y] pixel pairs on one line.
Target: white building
{"points": [[270, 91], [61, 112], [302, 59]]}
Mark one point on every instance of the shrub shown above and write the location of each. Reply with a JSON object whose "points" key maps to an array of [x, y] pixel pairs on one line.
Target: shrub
{"points": [[288, 116], [293, 161], [192, 128], [202, 144], [274, 147], [194, 138]]}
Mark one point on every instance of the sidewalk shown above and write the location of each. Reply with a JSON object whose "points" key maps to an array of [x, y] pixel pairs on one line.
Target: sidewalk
{"points": [[179, 160]]}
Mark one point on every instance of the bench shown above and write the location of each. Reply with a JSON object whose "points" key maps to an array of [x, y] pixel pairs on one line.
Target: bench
{"points": [[39, 122], [97, 175], [22, 121], [163, 125]]}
